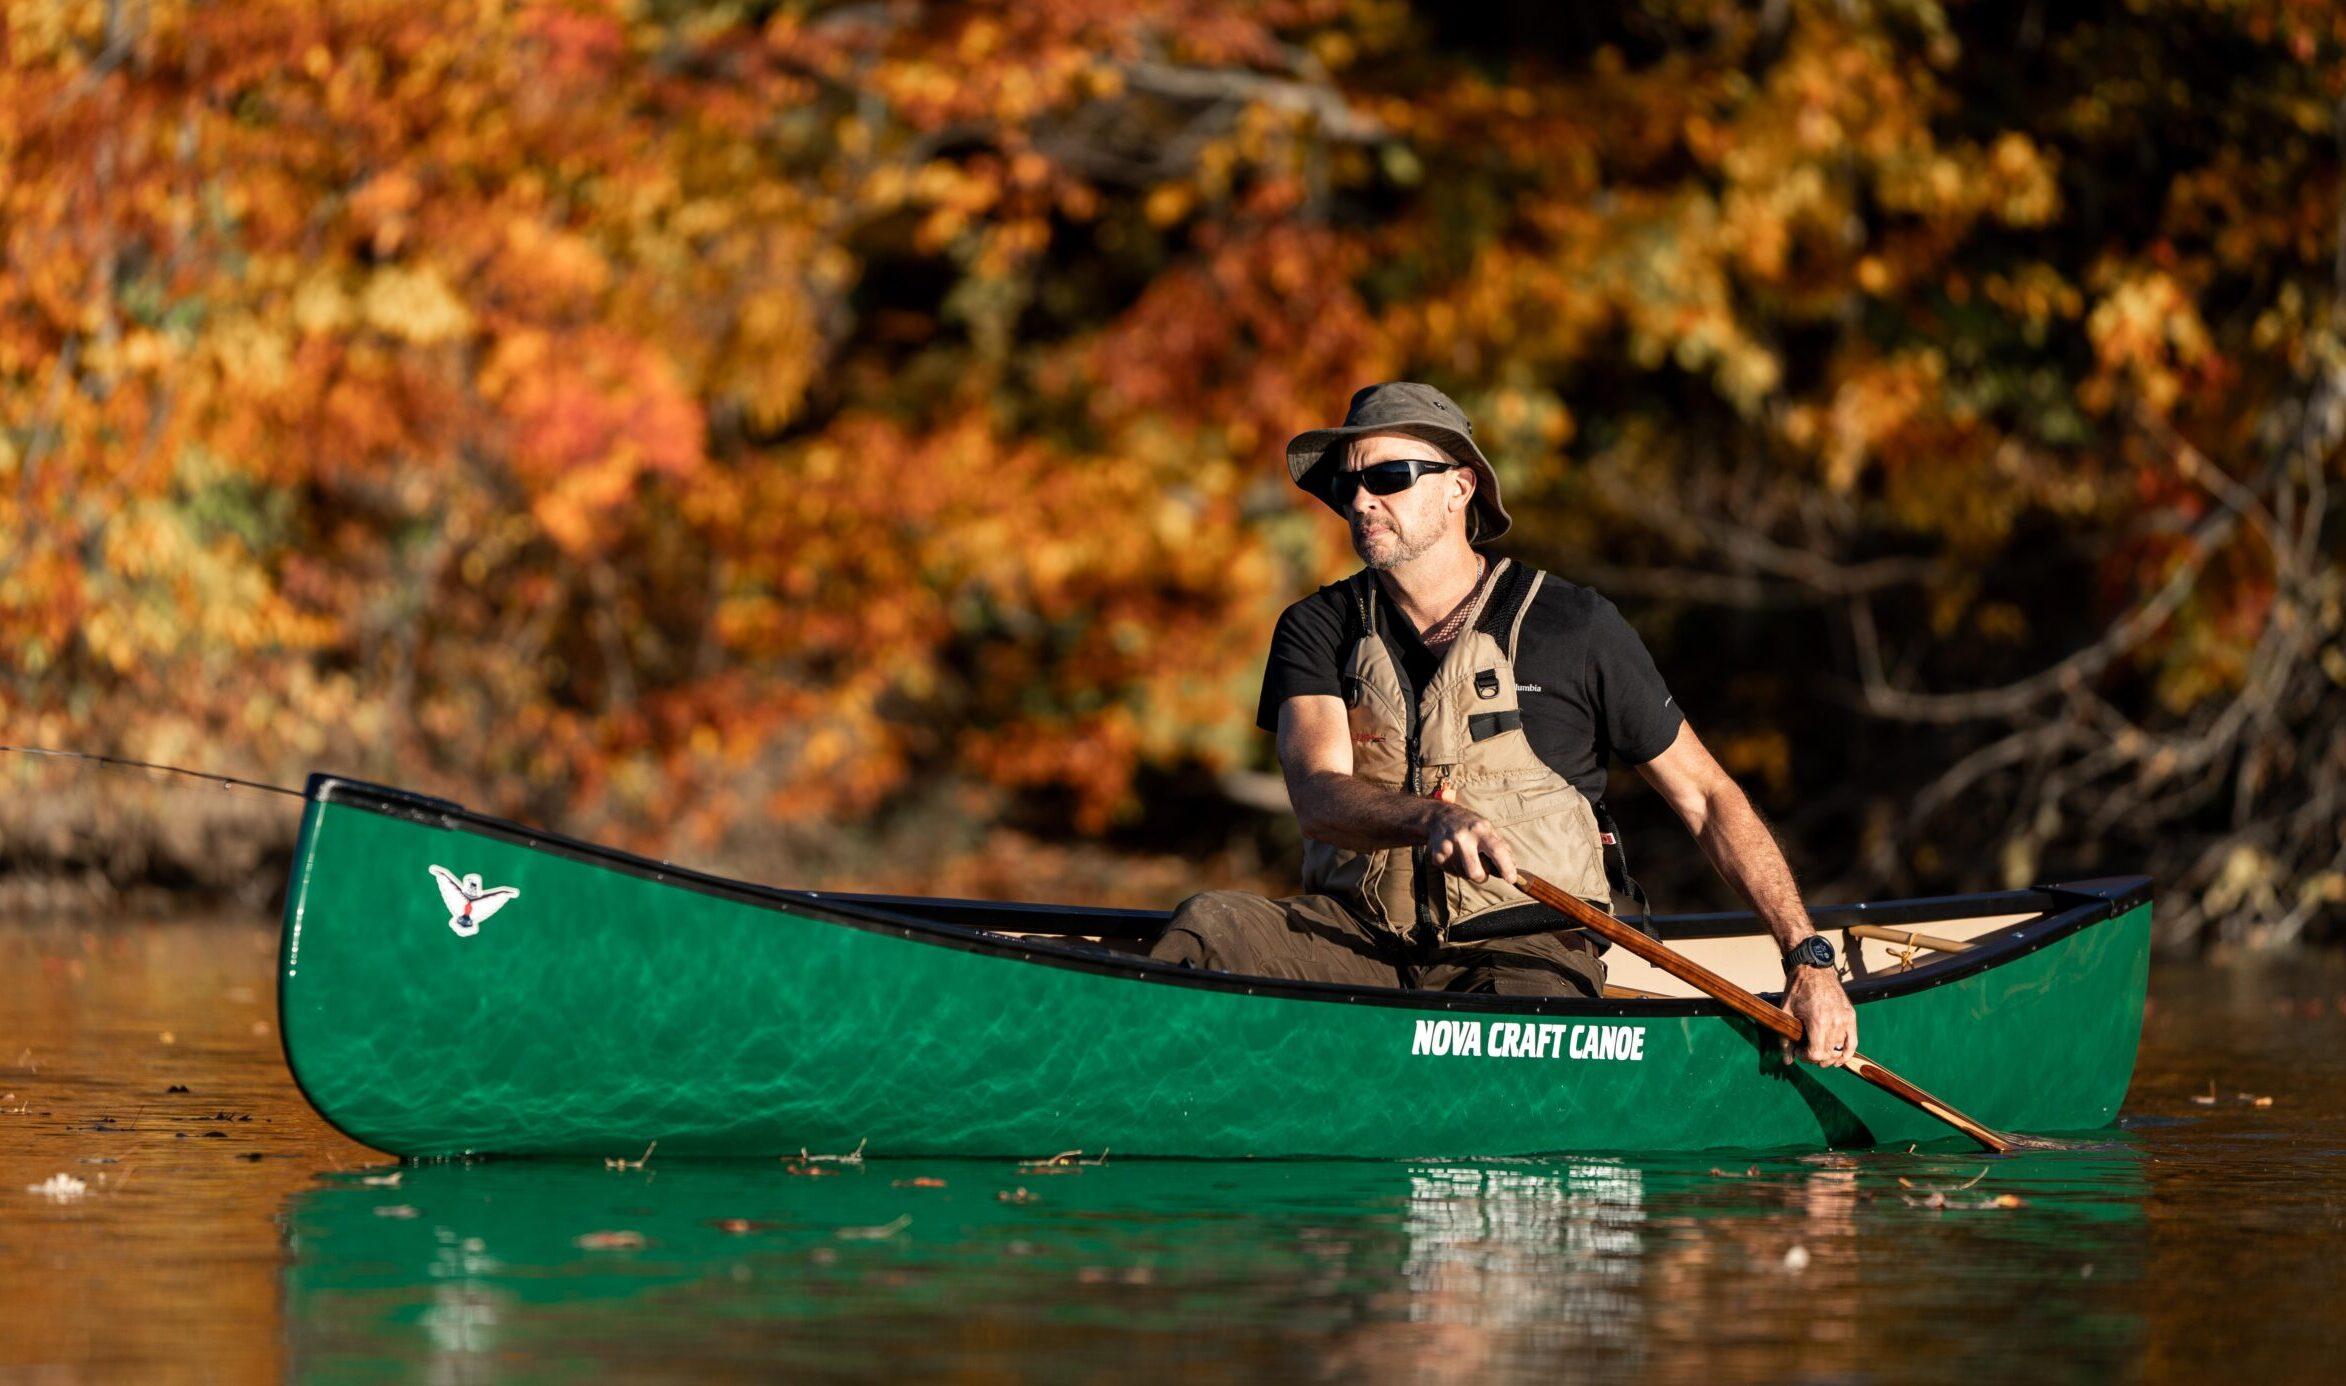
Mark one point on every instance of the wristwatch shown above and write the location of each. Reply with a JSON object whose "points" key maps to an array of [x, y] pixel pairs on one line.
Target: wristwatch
{"points": [[1814, 951]]}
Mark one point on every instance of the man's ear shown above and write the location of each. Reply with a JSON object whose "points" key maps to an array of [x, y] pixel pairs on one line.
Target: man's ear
{"points": [[1466, 495]]}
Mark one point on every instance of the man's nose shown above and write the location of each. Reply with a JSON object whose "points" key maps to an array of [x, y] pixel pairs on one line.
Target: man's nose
{"points": [[1364, 501]]}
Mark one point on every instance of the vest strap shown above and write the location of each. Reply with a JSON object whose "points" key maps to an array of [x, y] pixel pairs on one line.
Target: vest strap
{"points": [[1364, 601], [1482, 726], [1617, 869], [1502, 614]]}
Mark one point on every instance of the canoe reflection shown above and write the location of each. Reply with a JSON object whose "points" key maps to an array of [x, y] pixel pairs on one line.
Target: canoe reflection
{"points": [[1445, 1269], [1496, 1245]]}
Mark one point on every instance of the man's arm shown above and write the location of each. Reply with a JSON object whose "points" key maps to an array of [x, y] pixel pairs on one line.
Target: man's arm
{"points": [[1731, 834], [1339, 808]]}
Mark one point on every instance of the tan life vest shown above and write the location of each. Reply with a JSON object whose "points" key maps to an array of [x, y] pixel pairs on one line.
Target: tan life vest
{"points": [[1467, 733]]}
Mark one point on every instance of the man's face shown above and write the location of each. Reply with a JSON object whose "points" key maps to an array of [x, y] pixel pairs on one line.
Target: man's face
{"points": [[1388, 531]]}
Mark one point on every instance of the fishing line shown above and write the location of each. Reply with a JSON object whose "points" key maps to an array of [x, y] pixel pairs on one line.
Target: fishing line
{"points": [[123, 763]]}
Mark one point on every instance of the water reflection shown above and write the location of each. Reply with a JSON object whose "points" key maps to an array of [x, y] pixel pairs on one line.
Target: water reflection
{"points": [[1451, 1270], [142, 1058], [1498, 1246], [462, 1319]]}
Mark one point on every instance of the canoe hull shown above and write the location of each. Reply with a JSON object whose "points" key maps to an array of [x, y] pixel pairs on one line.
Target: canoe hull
{"points": [[612, 1003]]}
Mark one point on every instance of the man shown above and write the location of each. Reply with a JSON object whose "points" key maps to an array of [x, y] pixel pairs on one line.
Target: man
{"points": [[1444, 719]]}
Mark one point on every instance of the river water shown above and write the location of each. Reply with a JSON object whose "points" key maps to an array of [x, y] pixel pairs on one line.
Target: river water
{"points": [[224, 1233]]}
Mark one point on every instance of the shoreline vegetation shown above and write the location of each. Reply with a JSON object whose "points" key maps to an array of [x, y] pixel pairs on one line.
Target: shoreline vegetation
{"points": [[840, 444], [110, 845], [90, 844]]}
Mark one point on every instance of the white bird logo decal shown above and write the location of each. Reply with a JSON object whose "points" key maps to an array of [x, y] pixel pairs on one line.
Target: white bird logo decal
{"points": [[468, 903]]}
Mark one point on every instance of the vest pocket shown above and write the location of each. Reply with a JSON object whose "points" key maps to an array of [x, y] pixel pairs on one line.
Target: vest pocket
{"points": [[1374, 885], [1508, 807]]}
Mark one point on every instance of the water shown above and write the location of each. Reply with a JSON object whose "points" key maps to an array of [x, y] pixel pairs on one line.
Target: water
{"points": [[227, 1234]]}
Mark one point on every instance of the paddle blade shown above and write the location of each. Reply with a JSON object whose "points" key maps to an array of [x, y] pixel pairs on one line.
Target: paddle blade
{"points": [[1988, 1136]]}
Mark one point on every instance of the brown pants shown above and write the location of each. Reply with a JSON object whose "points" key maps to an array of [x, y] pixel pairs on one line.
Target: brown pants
{"points": [[1313, 938]]}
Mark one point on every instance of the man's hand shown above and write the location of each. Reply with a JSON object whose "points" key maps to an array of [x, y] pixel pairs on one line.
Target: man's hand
{"points": [[1458, 838], [1827, 1020]]}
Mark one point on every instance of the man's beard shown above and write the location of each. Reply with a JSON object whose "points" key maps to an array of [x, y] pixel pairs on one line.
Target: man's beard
{"points": [[1402, 550]]}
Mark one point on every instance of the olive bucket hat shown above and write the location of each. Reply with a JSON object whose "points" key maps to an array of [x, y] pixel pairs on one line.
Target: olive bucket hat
{"points": [[1400, 406]]}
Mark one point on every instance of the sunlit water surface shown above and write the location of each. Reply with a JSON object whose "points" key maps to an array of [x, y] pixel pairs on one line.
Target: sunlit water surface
{"points": [[225, 1233]]}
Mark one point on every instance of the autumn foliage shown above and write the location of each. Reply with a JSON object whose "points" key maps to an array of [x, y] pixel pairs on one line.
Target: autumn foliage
{"points": [[715, 426]]}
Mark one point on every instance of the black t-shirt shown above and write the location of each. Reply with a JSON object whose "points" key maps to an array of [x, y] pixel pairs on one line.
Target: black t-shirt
{"points": [[1588, 689]]}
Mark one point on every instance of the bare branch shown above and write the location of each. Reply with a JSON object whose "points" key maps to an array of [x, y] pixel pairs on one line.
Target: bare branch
{"points": [[1336, 117], [2130, 630], [2025, 744], [1748, 546], [1737, 590]]}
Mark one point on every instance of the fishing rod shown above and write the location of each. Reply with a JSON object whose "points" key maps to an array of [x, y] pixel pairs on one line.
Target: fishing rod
{"points": [[125, 763]]}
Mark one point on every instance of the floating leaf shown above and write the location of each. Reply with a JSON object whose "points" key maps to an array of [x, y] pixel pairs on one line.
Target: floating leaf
{"points": [[852, 1157], [59, 1188], [609, 1241], [874, 1234]]}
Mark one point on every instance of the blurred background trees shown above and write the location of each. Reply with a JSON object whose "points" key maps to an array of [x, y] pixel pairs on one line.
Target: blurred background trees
{"points": [[839, 443]]}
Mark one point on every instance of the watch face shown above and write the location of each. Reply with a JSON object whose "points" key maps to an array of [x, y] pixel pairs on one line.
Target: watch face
{"points": [[1814, 951]]}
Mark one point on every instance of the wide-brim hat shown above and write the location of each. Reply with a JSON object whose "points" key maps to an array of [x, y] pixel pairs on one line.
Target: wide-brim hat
{"points": [[1400, 406]]}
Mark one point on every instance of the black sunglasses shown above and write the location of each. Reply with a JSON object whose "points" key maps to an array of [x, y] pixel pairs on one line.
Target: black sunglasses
{"points": [[1381, 478]]}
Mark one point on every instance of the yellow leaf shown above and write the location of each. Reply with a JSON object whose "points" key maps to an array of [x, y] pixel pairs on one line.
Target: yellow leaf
{"points": [[414, 305]]}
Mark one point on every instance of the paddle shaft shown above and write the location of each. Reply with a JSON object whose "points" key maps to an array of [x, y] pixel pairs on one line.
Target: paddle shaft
{"points": [[1775, 1018]]}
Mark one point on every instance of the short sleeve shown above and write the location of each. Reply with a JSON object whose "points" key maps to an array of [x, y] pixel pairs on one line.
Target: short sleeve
{"points": [[1307, 655], [1639, 716]]}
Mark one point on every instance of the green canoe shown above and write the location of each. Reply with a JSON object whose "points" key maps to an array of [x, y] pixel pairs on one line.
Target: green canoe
{"points": [[453, 984]]}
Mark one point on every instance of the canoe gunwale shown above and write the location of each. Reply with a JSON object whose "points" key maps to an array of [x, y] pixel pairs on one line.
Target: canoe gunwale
{"points": [[2066, 909], [1096, 921]]}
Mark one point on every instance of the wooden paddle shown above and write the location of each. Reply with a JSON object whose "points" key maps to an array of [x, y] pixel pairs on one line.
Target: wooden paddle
{"points": [[1775, 1018]]}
